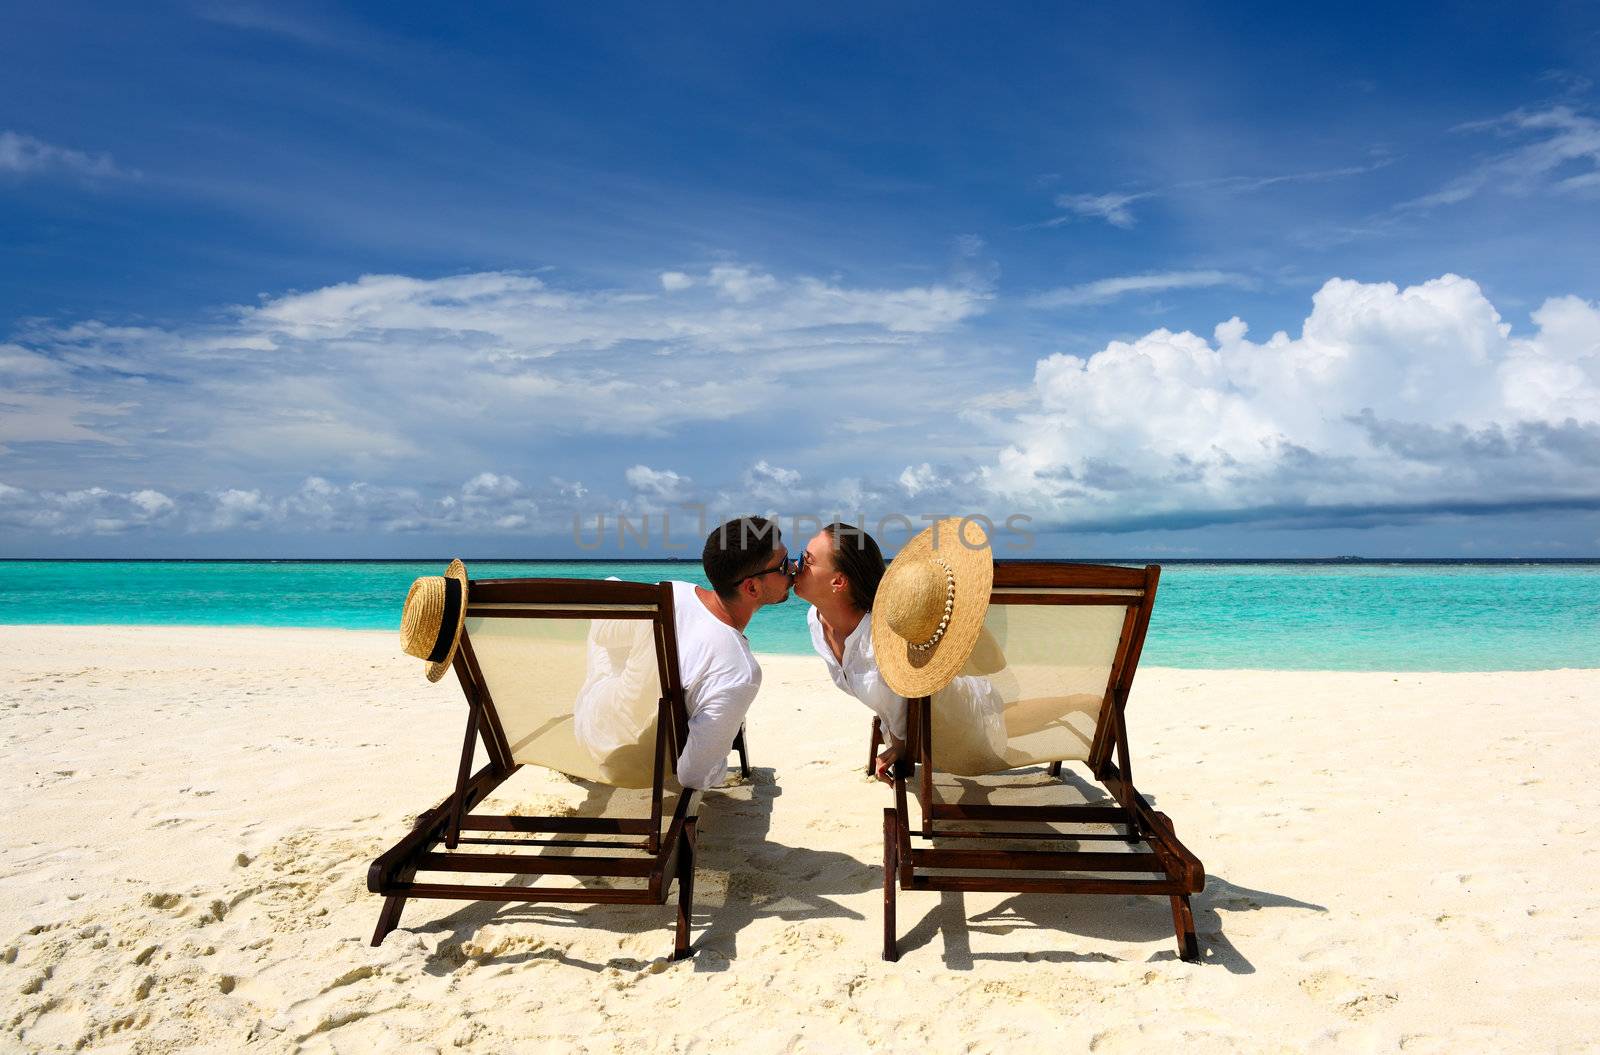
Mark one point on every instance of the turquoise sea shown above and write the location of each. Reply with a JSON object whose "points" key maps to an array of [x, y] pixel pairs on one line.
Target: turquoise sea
{"points": [[1395, 616]]}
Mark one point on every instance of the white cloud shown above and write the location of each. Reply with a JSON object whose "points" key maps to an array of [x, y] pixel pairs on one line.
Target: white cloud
{"points": [[663, 484], [26, 156], [268, 19], [763, 470], [18, 363], [31, 417], [569, 488], [487, 486], [84, 511], [234, 508], [921, 309], [1387, 396], [1107, 289], [740, 283], [1112, 208], [151, 503], [418, 405], [387, 374], [489, 503], [765, 482], [1560, 154], [920, 479], [674, 281]]}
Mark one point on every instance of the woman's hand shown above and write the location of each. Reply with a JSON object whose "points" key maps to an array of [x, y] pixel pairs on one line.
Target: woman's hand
{"points": [[884, 768]]}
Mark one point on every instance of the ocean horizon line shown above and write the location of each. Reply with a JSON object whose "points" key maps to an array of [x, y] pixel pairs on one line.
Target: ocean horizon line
{"points": [[1280, 613]]}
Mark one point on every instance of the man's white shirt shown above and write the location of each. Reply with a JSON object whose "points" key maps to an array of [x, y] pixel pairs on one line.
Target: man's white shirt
{"points": [[720, 680], [857, 673]]}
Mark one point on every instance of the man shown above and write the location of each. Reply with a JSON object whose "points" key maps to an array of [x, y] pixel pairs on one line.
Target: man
{"points": [[748, 567]]}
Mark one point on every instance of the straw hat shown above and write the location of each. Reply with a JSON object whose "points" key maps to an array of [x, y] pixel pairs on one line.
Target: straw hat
{"points": [[929, 608], [435, 611]]}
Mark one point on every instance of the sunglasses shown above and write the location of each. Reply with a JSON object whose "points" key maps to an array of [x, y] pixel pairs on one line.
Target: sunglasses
{"points": [[789, 566]]}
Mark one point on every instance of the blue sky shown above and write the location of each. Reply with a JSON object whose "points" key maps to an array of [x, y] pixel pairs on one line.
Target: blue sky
{"points": [[286, 280]]}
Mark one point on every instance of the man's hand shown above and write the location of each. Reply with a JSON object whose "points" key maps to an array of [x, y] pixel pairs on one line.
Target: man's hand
{"points": [[884, 767]]}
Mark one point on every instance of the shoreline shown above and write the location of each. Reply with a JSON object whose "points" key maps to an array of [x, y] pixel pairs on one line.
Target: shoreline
{"points": [[245, 630], [1392, 860]]}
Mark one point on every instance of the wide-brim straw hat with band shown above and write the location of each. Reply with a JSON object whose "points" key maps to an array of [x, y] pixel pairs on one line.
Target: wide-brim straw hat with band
{"points": [[930, 604], [435, 611]]}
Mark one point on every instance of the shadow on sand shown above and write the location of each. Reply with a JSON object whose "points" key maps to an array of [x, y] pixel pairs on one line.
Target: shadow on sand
{"points": [[741, 876], [1130, 918]]}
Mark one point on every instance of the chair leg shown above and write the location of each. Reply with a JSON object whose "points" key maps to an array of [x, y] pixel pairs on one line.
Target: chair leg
{"points": [[744, 755], [680, 945], [1055, 769], [458, 802], [389, 918], [872, 747], [891, 842], [1183, 923]]}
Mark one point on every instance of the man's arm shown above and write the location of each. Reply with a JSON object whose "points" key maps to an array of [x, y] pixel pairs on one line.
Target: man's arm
{"points": [[712, 727]]}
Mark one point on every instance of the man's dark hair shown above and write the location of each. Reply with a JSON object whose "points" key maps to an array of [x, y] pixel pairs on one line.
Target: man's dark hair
{"points": [[737, 549], [856, 556]]}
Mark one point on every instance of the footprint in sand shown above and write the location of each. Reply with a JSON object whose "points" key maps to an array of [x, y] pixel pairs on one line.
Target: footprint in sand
{"points": [[1349, 996], [1129, 1039], [112, 1028]]}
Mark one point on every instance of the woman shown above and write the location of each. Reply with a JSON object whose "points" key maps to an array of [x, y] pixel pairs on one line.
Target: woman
{"points": [[839, 574]]}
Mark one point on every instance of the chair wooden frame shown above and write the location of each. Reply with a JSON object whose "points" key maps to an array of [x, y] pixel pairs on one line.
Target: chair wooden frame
{"points": [[656, 858], [1177, 872]]}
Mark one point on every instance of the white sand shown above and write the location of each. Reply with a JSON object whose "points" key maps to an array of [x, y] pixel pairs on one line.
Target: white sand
{"points": [[1395, 861]]}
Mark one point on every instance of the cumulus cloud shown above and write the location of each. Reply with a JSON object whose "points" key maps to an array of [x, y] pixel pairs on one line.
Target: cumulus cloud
{"points": [[919, 479], [24, 155], [763, 470], [662, 484], [1108, 289], [84, 511], [397, 404], [487, 486], [765, 482], [673, 281], [1387, 395]]}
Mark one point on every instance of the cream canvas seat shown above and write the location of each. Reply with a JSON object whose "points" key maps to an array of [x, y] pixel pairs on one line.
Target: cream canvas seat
{"points": [[581, 677], [1048, 683]]}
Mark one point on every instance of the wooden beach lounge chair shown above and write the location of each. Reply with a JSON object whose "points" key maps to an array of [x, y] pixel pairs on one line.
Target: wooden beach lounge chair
{"points": [[1048, 683], [532, 655]]}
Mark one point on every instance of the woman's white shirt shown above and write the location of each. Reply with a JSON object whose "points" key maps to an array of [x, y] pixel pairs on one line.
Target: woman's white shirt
{"points": [[857, 673]]}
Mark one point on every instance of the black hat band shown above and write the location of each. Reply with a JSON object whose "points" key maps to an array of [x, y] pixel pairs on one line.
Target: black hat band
{"points": [[448, 623]]}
